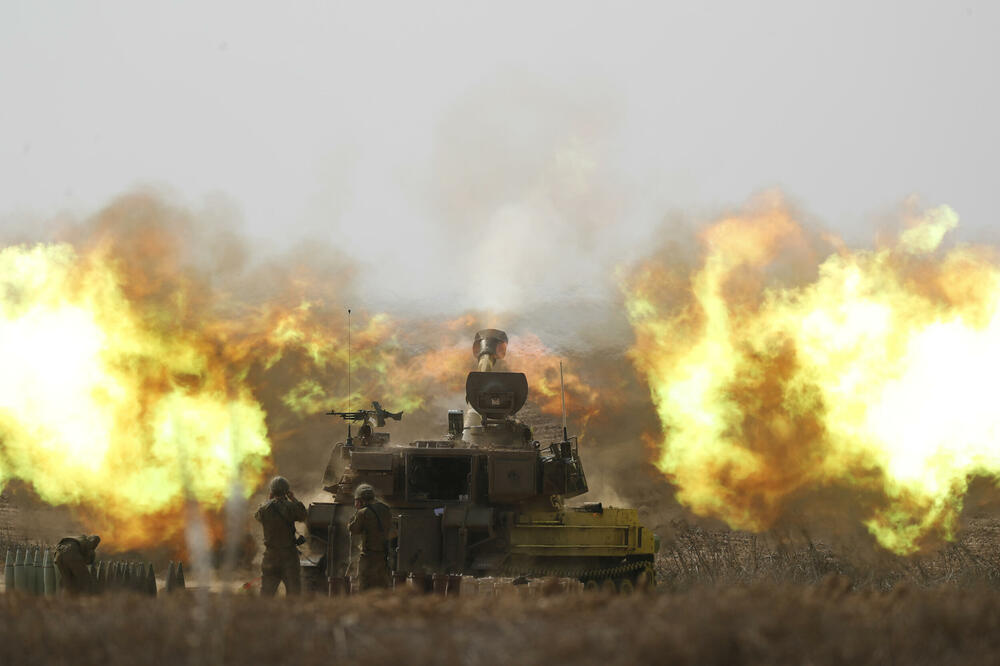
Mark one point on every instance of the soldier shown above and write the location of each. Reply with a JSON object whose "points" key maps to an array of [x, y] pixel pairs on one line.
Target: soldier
{"points": [[372, 522], [365, 433], [281, 557], [73, 555]]}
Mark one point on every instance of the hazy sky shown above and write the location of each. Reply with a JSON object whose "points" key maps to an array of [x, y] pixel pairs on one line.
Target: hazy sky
{"points": [[456, 127]]}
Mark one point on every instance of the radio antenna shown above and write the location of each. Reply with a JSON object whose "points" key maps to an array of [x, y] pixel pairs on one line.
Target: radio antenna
{"points": [[350, 402], [562, 390]]}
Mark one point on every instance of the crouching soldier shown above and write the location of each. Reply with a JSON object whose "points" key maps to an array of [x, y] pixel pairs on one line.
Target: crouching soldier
{"points": [[73, 556], [370, 524], [281, 555]]}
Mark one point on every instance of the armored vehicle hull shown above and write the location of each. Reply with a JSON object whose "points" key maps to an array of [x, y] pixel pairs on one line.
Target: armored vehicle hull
{"points": [[486, 500]]}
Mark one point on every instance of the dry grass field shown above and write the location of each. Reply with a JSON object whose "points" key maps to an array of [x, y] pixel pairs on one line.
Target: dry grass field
{"points": [[822, 624], [724, 598], [694, 557]]}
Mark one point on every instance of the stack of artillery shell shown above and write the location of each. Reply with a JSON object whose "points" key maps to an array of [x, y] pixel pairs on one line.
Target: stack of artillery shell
{"points": [[150, 582], [111, 577], [8, 571], [138, 577], [124, 579], [99, 576], [175, 577], [39, 588], [20, 576], [48, 575], [25, 583], [31, 571], [120, 576], [36, 572]]}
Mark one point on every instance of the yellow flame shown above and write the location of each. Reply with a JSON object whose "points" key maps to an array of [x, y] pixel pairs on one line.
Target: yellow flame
{"points": [[102, 404], [879, 373], [132, 391]]}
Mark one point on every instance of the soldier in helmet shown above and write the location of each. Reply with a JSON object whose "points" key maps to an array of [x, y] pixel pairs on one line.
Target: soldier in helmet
{"points": [[371, 524], [365, 433], [73, 556], [281, 556]]}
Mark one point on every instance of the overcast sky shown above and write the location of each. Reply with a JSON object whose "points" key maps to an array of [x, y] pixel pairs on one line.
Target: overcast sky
{"points": [[453, 127]]}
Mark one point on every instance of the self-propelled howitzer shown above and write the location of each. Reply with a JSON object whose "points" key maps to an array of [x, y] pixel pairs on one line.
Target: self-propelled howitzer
{"points": [[486, 499]]}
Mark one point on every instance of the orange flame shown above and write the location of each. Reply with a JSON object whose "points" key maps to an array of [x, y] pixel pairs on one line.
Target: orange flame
{"points": [[102, 402], [131, 388], [878, 374]]}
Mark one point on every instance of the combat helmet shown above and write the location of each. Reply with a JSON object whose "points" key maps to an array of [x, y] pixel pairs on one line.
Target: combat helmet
{"points": [[280, 486], [364, 492]]}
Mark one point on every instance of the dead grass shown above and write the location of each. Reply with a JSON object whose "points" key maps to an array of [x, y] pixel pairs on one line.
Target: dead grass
{"points": [[821, 624], [694, 557], [724, 598]]}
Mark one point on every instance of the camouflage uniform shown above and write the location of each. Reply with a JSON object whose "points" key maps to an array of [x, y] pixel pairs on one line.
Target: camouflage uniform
{"points": [[372, 522], [281, 557], [73, 555]]}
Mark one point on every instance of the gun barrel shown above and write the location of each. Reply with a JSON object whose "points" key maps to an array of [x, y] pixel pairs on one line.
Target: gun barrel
{"points": [[489, 346], [350, 416], [378, 414]]}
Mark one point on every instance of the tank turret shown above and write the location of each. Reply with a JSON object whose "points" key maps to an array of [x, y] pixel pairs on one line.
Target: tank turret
{"points": [[485, 498]]}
